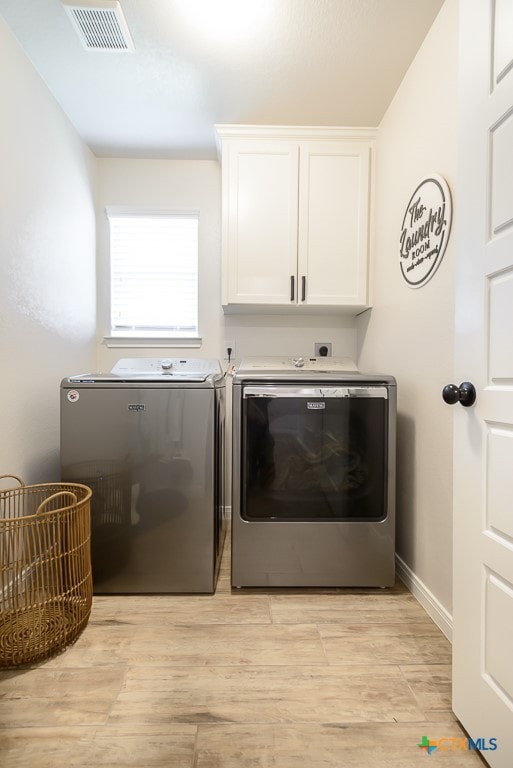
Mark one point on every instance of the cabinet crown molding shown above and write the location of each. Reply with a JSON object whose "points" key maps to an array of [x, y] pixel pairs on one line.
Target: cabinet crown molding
{"points": [[293, 133]]}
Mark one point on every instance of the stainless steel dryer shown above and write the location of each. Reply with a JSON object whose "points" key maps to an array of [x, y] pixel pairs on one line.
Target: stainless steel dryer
{"points": [[313, 496], [148, 438]]}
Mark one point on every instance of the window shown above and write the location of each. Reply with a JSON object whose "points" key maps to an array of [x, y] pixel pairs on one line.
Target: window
{"points": [[154, 274]]}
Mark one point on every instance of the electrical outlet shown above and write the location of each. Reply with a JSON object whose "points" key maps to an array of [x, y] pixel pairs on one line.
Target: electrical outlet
{"points": [[322, 349], [229, 345]]}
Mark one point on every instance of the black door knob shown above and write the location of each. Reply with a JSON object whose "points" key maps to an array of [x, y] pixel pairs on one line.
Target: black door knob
{"points": [[465, 394]]}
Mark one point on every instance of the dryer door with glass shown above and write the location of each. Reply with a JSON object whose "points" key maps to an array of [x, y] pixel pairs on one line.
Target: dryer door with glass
{"points": [[314, 453]]}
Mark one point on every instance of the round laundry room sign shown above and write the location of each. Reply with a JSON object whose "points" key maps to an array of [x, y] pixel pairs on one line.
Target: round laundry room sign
{"points": [[425, 230]]}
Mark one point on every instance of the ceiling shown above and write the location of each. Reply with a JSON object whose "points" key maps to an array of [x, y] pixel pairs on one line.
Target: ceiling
{"points": [[201, 62]]}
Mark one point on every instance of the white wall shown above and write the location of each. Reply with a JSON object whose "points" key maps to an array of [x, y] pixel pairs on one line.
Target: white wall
{"points": [[180, 184], [409, 332], [47, 267]]}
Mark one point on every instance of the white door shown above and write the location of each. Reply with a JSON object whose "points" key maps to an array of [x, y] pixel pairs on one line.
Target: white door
{"points": [[483, 463]]}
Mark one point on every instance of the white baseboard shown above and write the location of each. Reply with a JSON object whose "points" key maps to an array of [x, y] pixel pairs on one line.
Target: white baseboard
{"points": [[428, 601]]}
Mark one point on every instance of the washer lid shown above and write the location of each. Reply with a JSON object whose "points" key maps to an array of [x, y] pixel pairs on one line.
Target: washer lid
{"points": [[177, 369], [163, 368]]}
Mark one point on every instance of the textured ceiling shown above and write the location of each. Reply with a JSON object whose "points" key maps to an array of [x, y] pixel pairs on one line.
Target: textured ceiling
{"points": [[201, 62]]}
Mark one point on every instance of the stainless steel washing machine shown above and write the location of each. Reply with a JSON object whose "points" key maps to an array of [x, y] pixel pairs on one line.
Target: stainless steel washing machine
{"points": [[313, 483], [148, 438]]}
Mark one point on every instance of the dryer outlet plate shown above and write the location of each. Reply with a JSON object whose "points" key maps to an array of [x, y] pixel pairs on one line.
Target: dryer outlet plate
{"points": [[322, 345]]}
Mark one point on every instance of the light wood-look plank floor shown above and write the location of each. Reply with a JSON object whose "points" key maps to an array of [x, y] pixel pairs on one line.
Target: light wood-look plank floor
{"points": [[264, 679]]}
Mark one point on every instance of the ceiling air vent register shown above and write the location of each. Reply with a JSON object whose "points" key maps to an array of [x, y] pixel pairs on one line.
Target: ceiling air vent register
{"points": [[100, 24]]}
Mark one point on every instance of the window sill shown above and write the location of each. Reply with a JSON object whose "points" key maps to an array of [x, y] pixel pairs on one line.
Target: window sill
{"points": [[141, 342]]}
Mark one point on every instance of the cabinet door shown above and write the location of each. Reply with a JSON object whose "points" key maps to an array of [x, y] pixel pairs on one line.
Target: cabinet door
{"points": [[334, 223], [260, 208]]}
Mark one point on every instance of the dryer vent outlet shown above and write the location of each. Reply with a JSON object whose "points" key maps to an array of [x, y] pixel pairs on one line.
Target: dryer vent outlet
{"points": [[322, 349]]}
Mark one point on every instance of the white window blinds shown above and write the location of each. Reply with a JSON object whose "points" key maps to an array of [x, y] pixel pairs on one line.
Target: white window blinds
{"points": [[154, 273]]}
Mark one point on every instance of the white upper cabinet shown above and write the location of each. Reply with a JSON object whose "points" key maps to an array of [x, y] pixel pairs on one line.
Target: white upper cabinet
{"points": [[296, 208]]}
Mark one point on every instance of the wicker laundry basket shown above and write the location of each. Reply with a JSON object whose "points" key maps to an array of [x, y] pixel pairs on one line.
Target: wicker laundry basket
{"points": [[45, 568]]}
